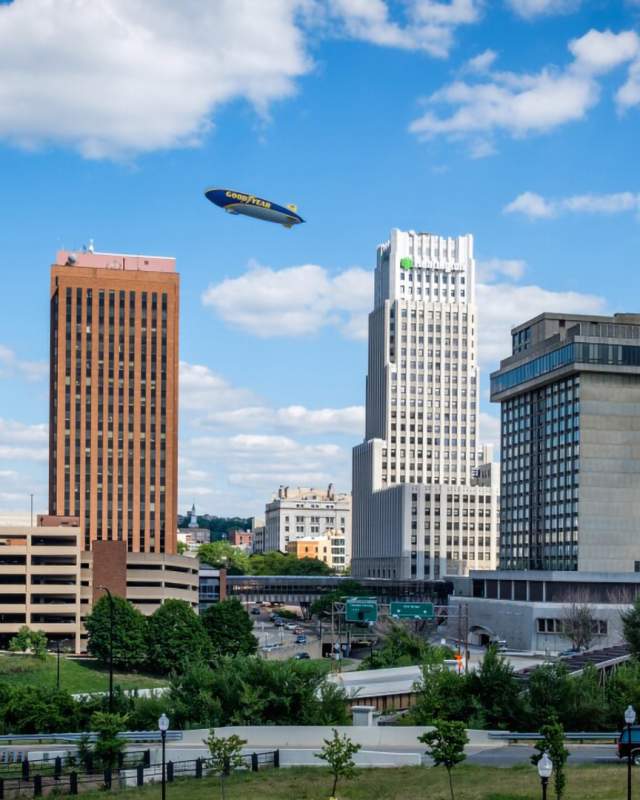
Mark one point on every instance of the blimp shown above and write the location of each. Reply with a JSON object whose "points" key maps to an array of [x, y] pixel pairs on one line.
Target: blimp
{"points": [[251, 206]]}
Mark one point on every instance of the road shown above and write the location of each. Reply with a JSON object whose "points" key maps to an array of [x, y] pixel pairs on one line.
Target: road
{"points": [[510, 755]]}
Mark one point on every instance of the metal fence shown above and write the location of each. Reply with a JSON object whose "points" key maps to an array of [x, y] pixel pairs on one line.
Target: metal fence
{"points": [[34, 783]]}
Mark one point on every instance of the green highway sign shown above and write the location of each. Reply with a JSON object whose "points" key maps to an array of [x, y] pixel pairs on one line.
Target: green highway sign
{"points": [[411, 610], [361, 609], [406, 263]]}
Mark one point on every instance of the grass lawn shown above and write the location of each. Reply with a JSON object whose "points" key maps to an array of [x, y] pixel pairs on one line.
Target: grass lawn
{"points": [[75, 676], [587, 782]]}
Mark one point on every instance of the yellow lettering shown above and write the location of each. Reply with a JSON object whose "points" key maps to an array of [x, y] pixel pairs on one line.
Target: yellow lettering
{"points": [[229, 194]]}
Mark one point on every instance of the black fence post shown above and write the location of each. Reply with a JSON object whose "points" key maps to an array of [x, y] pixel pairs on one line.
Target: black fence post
{"points": [[1, 788], [25, 770], [146, 758], [198, 767], [276, 758], [89, 762], [140, 775], [57, 768], [254, 762], [73, 783], [120, 760], [37, 785], [107, 778], [170, 771]]}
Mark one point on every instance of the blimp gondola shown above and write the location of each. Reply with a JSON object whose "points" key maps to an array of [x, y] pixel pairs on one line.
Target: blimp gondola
{"points": [[251, 206]]}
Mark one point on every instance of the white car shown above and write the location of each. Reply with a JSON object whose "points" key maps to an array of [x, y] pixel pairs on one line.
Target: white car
{"points": [[291, 626]]}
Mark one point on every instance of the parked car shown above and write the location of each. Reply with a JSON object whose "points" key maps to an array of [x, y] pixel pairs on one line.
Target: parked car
{"points": [[279, 623], [302, 656], [624, 746], [255, 612], [301, 639], [297, 629], [290, 626]]}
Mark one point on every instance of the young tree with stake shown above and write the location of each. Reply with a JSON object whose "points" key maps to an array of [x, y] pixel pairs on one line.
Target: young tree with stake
{"points": [[338, 752], [445, 744]]}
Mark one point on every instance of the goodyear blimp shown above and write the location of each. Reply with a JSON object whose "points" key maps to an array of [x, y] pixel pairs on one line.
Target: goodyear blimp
{"points": [[251, 206]]}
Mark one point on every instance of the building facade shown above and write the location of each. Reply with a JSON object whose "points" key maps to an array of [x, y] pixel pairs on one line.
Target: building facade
{"points": [[570, 424], [114, 397], [329, 548], [40, 582], [425, 498], [296, 513]]}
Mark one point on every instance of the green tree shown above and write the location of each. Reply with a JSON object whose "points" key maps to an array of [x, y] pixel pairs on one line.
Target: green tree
{"points": [[222, 554], [552, 742], [129, 633], [549, 694], [276, 563], [631, 627], [35, 709], [622, 689], [181, 548], [108, 745], [176, 637], [225, 755], [230, 629], [402, 648], [27, 639], [338, 752], [441, 695], [445, 744], [495, 690], [193, 700]]}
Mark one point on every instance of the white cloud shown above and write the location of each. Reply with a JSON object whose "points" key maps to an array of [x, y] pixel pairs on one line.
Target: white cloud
{"points": [[297, 418], [628, 95], [294, 301], [522, 104], [535, 206], [531, 205], [202, 389], [534, 8], [429, 25], [602, 51], [115, 78], [482, 62], [12, 366], [492, 268], [503, 305]]}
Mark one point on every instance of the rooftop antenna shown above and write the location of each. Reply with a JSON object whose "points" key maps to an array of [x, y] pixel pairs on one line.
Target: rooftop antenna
{"points": [[91, 248]]}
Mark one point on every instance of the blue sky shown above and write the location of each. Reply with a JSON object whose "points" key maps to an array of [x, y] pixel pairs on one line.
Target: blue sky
{"points": [[515, 120]]}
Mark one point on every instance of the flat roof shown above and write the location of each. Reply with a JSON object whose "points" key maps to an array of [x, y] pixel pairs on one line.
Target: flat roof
{"points": [[116, 261]]}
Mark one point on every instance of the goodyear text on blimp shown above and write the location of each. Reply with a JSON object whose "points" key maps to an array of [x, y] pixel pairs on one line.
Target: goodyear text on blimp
{"points": [[249, 199]]}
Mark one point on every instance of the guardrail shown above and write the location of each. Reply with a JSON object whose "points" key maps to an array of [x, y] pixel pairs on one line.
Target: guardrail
{"points": [[608, 736], [46, 738]]}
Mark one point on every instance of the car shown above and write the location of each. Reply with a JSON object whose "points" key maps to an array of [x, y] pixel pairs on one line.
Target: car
{"points": [[301, 639], [297, 629], [255, 611], [302, 656], [290, 626], [624, 748], [279, 623]]}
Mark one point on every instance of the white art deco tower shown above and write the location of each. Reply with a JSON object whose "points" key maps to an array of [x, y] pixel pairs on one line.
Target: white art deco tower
{"points": [[424, 492]]}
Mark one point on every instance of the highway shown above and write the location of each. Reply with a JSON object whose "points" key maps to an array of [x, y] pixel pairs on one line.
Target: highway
{"points": [[510, 755]]}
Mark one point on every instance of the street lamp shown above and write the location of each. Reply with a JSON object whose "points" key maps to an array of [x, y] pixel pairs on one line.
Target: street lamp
{"points": [[545, 768], [111, 622], [629, 718], [163, 726]]}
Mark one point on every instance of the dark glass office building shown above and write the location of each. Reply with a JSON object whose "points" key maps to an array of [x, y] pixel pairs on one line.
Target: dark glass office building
{"points": [[570, 400]]}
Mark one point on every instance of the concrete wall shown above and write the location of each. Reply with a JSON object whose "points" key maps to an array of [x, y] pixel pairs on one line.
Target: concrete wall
{"points": [[516, 623], [609, 505]]}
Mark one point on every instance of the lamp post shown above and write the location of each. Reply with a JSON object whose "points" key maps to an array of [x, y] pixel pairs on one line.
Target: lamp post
{"points": [[629, 718], [163, 726], [545, 768], [111, 623]]}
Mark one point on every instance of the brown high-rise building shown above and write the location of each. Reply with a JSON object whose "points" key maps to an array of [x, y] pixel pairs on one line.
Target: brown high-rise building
{"points": [[114, 398]]}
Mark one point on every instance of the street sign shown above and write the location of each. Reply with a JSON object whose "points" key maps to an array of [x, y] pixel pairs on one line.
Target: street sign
{"points": [[361, 609], [411, 610]]}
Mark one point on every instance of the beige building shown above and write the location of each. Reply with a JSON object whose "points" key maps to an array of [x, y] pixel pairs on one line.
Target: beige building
{"points": [[330, 548], [40, 583], [298, 513]]}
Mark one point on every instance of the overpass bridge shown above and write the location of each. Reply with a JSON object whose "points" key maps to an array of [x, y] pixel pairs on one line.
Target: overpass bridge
{"points": [[306, 589]]}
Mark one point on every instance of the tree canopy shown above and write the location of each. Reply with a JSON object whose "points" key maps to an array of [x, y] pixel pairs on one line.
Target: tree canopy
{"points": [[222, 554], [176, 638], [230, 629], [129, 633]]}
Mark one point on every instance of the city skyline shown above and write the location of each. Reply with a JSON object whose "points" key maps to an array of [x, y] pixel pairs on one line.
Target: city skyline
{"points": [[367, 122]]}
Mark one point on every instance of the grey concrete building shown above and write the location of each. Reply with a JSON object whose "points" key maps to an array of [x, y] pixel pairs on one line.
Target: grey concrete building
{"points": [[570, 420]]}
